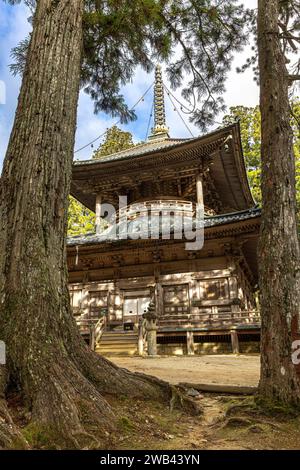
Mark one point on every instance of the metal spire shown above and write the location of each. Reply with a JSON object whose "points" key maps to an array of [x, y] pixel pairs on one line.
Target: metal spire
{"points": [[160, 129]]}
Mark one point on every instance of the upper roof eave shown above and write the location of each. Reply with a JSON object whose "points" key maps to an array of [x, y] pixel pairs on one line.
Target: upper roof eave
{"points": [[227, 170], [149, 148]]}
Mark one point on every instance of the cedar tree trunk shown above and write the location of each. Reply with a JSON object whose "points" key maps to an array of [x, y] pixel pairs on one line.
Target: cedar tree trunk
{"points": [[279, 244], [63, 383]]}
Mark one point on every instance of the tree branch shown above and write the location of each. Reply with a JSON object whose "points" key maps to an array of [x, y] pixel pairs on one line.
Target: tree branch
{"points": [[294, 78]]}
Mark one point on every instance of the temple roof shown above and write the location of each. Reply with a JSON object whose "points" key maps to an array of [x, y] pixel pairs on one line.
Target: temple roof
{"points": [[164, 167], [140, 149], [209, 222], [174, 162]]}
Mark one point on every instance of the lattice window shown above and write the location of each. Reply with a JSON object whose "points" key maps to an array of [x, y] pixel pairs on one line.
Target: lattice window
{"points": [[176, 299], [215, 289], [98, 302]]}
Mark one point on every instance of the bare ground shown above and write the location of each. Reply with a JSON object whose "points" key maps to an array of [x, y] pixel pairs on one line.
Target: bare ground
{"points": [[225, 422], [218, 369], [145, 425]]}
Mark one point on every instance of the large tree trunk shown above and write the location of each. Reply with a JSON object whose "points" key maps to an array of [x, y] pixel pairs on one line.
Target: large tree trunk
{"points": [[279, 245], [62, 381]]}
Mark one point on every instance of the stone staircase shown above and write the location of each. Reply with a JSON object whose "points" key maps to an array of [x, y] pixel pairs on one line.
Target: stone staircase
{"points": [[118, 343]]}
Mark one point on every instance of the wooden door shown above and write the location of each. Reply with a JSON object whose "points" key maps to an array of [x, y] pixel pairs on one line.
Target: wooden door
{"points": [[134, 308]]}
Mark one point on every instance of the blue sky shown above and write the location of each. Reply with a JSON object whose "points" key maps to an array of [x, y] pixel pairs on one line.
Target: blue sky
{"points": [[241, 90]]}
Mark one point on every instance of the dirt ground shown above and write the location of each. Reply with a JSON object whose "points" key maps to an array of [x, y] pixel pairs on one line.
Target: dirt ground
{"points": [[225, 422], [152, 426], [218, 369], [215, 422]]}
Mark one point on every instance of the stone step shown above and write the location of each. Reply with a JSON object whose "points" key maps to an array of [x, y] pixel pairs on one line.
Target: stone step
{"points": [[111, 344], [116, 346], [121, 331], [118, 343], [117, 351], [119, 340], [115, 335]]}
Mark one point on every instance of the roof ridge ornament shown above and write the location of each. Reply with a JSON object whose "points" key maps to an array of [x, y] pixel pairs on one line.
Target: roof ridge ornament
{"points": [[160, 129]]}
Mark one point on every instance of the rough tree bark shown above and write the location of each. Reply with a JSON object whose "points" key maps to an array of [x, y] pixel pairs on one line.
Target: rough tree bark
{"points": [[61, 380], [279, 244]]}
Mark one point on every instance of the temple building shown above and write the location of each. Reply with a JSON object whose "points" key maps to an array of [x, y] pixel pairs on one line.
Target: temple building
{"points": [[205, 298]]}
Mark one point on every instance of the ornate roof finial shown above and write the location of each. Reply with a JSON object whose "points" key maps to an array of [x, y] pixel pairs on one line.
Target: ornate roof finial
{"points": [[160, 129]]}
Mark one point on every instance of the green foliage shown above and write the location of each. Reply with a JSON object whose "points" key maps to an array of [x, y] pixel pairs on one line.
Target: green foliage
{"points": [[80, 219], [289, 28], [250, 123], [296, 132], [196, 38], [115, 141]]}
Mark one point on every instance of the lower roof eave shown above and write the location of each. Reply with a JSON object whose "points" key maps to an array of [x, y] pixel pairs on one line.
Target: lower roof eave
{"points": [[233, 222]]}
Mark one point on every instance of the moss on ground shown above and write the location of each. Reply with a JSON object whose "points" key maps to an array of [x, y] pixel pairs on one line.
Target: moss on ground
{"points": [[151, 425], [39, 437]]}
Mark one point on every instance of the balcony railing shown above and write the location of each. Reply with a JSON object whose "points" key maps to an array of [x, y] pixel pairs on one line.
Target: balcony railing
{"points": [[160, 206], [93, 328], [242, 318]]}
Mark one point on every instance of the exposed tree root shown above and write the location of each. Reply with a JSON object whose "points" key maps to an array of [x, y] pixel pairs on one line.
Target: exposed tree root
{"points": [[244, 412], [113, 380], [9, 434], [178, 398], [69, 409]]}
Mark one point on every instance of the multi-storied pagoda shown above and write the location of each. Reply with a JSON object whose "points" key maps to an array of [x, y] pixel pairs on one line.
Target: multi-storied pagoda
{"points": [[204, 299]]}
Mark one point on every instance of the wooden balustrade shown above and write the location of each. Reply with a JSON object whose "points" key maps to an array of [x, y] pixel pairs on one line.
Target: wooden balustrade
{"points": [[142, 337], [97, 332], [94, 327], [213, 319]]}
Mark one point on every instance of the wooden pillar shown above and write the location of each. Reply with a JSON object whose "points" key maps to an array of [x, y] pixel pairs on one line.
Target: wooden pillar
{"points": [[234, 342], [159, 299], [118, 303], [235, 312], [111, 306], [98, 214], [85, 301], [233, 287], [141, 337], [190, 343], [199, 188]]}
